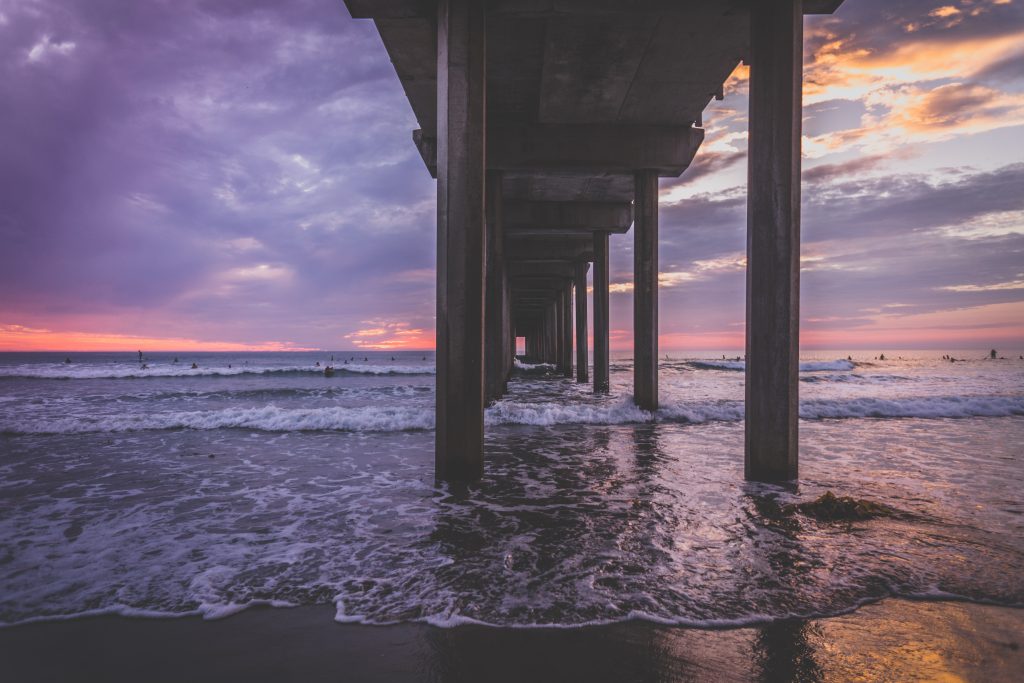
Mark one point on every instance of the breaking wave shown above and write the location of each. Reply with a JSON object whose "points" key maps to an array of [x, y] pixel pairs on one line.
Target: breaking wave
{"points": [[266, 418], [806, 366], [510, 412]]}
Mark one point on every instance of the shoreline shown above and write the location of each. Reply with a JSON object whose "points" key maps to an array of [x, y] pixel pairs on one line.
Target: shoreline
{"points": [[894, 639]]}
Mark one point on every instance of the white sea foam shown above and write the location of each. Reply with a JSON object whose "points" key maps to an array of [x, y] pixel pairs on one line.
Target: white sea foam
{"points": [[267, 418], [510, 412], [520, 365], [806, 366], [924, 407]]}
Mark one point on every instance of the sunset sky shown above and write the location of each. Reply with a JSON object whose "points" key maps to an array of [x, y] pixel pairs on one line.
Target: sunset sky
{"points": [[207, 174]]}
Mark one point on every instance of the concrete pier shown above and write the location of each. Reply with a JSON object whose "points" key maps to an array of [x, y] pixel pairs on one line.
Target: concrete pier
{"points": [[461, 167], [645, 290], [572, 110], [582, 356], [567, 329], [773, 241], [601, 348], [495, 313]]}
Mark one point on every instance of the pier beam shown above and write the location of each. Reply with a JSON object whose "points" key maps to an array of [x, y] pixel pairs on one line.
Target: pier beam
{"points": [[495, 314], [461, 114], [773, 240], [601, 312], [582, 356], [567, 330], [645, 290]]}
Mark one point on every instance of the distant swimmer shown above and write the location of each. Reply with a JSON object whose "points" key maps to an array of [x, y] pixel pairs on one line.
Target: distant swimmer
{"points": [[195, 367], [849, 358], [392, 357], [328, 371], [424, 357], [67, 360], [145, 367], [175, 359], [229, 366], [318, 363], [992, 354], [140, 355], [332, 357], [364, 359], [881, 357], [346, 362]]}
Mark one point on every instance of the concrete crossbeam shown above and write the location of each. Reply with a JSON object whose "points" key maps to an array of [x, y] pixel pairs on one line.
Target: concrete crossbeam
{"points": [[594, 148], [567, 217]]}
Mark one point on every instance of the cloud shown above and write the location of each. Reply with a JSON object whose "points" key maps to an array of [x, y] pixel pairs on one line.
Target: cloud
{"points": [[829, 172], [46, 46], [241, 170], [21, 338], [390, 335]]}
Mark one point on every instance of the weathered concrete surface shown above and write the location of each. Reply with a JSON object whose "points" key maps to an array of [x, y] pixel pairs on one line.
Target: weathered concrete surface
{"points": [[495, 344], [567, 217], [601, 348], [460, 240], [773, 241], [567, 329], [602, 148], [582, 355], [645, 291]]}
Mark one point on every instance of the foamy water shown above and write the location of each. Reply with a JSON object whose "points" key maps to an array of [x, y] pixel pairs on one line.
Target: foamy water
{"points": [[167, 490]]}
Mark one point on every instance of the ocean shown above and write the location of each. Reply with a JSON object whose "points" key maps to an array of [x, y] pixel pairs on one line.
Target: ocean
{"points": [[253, 479]]}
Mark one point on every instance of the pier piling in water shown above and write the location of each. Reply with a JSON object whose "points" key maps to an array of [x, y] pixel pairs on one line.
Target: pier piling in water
{"points": [[773, 241], [572, 112]]}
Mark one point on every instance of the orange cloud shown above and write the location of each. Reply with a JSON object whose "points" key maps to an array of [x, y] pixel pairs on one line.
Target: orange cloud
{"points": [[387, 335], [21, 338]]}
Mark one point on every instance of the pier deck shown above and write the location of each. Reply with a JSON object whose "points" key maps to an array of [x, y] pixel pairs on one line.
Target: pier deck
{"points": [[547, 124]]}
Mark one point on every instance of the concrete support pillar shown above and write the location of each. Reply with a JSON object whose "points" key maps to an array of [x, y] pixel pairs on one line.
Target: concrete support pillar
{"points": [[567, 329], [551, 324], [510, 328], [773, 240], [582, 357], [461, 115], [645, 290], [556, 331], [495, 337], [600, 312]]}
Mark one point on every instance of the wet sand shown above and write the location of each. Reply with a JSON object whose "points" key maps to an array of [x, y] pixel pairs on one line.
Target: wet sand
{"points": [[895, 640]]}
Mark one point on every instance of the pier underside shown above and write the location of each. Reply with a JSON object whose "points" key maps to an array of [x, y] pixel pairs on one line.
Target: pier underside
{"points": [[547, 124]]}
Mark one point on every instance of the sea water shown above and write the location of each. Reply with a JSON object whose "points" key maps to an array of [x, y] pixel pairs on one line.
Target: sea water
{"points": [[256, 479]]}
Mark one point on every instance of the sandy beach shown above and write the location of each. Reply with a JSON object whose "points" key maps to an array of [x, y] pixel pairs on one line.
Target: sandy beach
{"points": [[894, 640]]}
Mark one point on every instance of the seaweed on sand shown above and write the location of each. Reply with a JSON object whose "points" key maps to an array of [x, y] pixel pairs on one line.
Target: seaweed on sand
{"points": [[832, 508]]}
